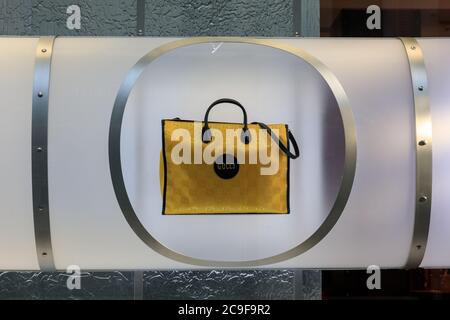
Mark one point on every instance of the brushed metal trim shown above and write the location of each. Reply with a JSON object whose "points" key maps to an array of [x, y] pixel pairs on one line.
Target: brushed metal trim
{"points": [[140, 17], [424, 165], [138, 285], [39, 126], [116, 166]]}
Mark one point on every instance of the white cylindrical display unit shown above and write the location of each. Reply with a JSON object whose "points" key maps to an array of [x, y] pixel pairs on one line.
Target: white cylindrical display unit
{"points": [[80, 132]]}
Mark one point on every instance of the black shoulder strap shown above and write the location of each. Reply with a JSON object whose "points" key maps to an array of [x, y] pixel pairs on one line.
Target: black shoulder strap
{"points": [[283, 148]]}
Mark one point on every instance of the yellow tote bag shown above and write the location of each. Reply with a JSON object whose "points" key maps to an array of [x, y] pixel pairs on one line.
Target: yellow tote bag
{"points": [[225, 168]]}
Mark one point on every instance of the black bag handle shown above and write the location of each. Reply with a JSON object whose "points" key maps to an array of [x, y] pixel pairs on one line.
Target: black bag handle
{"points": [[206, 137], [283, 148]]}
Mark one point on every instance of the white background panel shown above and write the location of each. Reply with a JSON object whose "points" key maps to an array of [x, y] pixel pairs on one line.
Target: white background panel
{"points": [[88, 227], [377, 223], [17, 245], [437, 61]]}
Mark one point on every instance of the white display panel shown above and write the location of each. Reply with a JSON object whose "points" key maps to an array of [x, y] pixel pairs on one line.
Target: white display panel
{"points": [[17, 245], [87, 225], [438, 65]]}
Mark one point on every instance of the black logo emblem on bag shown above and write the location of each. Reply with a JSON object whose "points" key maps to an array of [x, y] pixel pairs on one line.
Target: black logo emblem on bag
{"points": [[226, 166]]}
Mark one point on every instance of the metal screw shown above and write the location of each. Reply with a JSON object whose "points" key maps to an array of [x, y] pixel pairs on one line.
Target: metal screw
{"points": [[422, 143], [41, 209], [413, 47], [40, 94], [39, 149], [420, 88], [44, 50], [297, 34], [140, 31], [423, 199]]}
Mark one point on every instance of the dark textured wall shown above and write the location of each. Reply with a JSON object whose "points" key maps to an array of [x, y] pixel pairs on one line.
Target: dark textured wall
{"points": [[205, 284], [218, 17], [273, 18], [162, 17]]}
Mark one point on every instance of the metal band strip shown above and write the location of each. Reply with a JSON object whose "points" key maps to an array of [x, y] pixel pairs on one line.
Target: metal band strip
{"points": [[424, 165], [39, 153], [116, 165], [140, 17], [138, 285]]}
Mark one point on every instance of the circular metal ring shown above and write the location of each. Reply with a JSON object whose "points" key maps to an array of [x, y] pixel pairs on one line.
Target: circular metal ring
{"points": [[116, 166]]}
